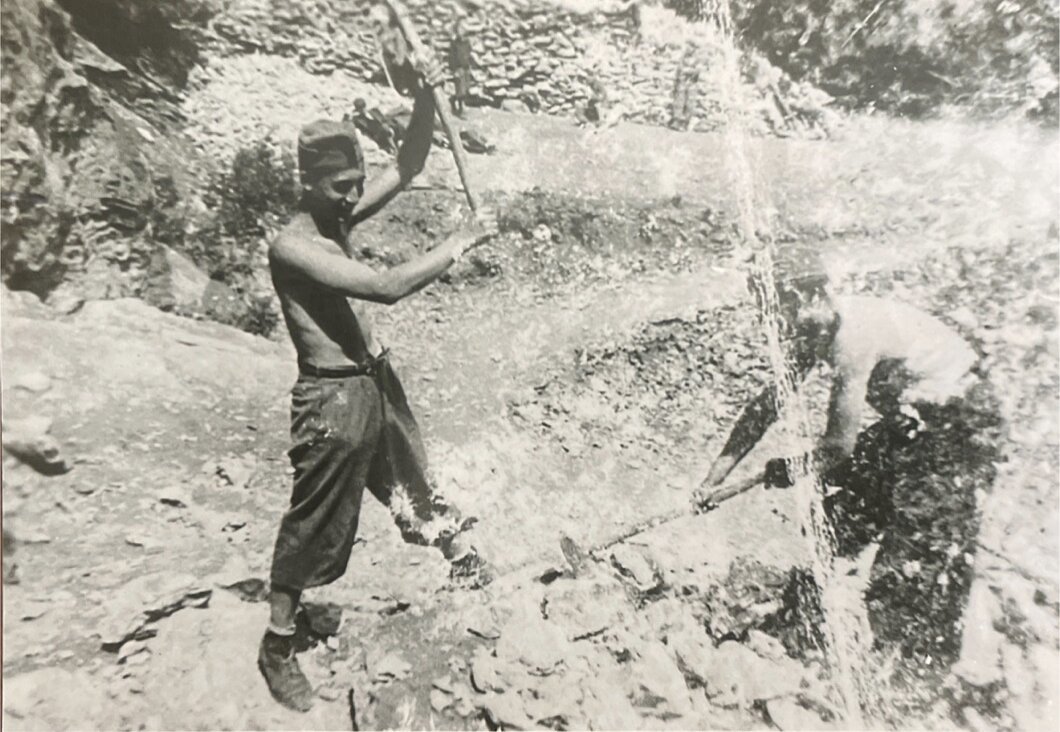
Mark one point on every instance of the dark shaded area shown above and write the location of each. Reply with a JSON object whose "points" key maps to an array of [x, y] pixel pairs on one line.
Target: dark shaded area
{"points": [[905, 57], [915, 480], [144, 35]]}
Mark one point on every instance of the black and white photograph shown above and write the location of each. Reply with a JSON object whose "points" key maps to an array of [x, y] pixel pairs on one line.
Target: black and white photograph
{"points": [[530, 364]]}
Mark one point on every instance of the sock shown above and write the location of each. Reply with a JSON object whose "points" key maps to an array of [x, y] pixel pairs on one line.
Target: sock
{"points": [[284, 632]]}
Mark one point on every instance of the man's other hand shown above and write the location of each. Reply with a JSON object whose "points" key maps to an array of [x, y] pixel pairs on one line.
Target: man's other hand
{"points": [[777, 474], [429, 69]]}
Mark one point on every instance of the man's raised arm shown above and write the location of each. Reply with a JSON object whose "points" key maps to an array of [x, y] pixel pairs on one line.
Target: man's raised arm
{"points": [[351, 278], [412, 155], [759, 414], [753, 422]]}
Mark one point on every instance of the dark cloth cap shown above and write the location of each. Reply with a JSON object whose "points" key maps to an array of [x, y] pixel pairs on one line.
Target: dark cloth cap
{"points": [[326, 147]]}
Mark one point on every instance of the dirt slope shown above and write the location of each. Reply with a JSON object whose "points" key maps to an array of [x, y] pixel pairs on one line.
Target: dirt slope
{"points": [[572, 406]]}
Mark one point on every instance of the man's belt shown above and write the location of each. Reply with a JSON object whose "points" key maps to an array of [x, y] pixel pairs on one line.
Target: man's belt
{"points": [[367, 368]]}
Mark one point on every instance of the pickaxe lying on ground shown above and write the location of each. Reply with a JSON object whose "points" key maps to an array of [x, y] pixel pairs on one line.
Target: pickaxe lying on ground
{"points": [[577, 557]]}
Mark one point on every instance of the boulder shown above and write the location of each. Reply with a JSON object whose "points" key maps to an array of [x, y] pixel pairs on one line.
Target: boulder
{"points": [[140, 602], [174, 283]]}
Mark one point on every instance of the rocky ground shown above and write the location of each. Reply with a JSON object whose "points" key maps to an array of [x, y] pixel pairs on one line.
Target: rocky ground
{"points": [[572, 380]]}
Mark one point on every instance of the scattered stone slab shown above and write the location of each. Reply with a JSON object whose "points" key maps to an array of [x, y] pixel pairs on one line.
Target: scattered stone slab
{"points": [[176, 496], [583, 608], [632, 563], [387, 667], [658, 687], [787, 714], [440, 700], [28, 440], [56, 699], [36, 382], [33, 537], [529, 639], [507, 711], [144, 540], [145, 600], [766, 645], [486, 672], [980, 661], [236, 577], [234, 471], [739, 677], [173, 282], [32, 610], [134, 653], [694, 652], [481, 620]]}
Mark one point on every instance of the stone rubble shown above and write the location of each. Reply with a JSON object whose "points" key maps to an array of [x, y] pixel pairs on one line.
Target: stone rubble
{"points": [[539, 56], [577, 654]]}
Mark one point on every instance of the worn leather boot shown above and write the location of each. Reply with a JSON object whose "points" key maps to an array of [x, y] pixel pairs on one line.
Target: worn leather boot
{"points": [[284, 676]]}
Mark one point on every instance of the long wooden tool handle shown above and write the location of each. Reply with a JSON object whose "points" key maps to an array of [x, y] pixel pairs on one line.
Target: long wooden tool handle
{"points": [[710, 501], [441, 102], [723, 494]]}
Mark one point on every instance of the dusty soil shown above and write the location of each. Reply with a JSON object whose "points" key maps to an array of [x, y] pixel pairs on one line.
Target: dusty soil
{"points": [[571, 382]]}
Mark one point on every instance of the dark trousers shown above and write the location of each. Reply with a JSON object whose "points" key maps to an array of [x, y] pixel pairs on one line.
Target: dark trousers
{"points": [[912, 483], [350, 433]]}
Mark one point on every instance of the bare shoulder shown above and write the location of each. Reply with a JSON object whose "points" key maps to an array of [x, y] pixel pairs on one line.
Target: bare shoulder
{"points": [[882, 315], [865, 328], [297, 245], [289, 242], [893, 328]]}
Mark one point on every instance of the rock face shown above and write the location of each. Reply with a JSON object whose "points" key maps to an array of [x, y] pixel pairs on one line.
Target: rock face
{"points": [[91, 133]]}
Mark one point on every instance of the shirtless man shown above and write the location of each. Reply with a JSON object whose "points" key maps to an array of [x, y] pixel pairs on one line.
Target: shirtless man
{"points": [[350, 422], [909, 479]]}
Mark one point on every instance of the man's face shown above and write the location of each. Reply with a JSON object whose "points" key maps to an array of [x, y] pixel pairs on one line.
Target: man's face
{"points": [[340, 191]]}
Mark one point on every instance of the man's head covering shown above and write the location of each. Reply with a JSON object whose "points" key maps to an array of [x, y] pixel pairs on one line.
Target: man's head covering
{"points": [[326, 147], [798, 278]]}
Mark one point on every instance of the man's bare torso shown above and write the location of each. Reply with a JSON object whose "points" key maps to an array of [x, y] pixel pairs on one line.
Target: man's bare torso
{"points": [[873, 329], [326, 329]]}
